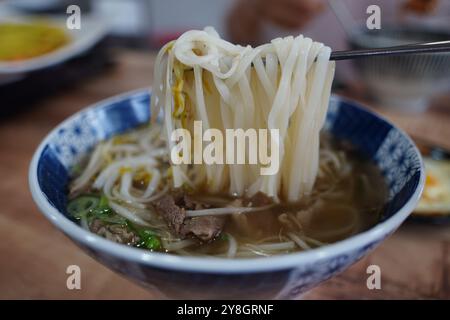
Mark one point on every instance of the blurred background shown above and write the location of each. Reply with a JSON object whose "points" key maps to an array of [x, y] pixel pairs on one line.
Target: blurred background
{"points": [[146, 25], [48, 72]]}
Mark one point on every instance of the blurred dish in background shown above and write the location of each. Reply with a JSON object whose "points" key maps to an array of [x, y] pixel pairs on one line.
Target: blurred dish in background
{"points": [[48, 62], [26, 91], [21, 41], [435, 202], [405, 83], [34, 5], [92, 31]]}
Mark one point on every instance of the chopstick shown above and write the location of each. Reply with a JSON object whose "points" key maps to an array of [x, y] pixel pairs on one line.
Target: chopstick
{"points": [[430, 47], [426, 47]]}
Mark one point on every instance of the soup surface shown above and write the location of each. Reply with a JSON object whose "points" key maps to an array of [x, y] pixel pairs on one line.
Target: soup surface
{"points": [[122, 191]]}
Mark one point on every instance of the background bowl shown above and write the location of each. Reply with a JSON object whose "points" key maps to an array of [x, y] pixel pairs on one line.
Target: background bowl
{"points": [[284, 276], [403, 82], [93, 31]]}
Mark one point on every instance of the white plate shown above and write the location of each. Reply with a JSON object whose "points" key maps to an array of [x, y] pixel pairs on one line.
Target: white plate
{"points": [[93, 29]]}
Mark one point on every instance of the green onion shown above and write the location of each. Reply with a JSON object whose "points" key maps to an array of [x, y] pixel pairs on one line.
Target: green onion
{"points": [[131, 227], [146, 233], [81, 206], [92, 207], [113, 219], [148, 238], [223, 237], [104, 203], [102, 210], [153, 243]]}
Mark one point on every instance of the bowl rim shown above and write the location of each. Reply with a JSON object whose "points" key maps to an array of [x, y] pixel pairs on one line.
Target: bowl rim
{"points": [[213, 265]]}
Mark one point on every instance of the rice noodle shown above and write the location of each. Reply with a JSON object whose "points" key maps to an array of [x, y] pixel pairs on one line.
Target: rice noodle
{"points": [[223, 211], [84, 223], [177, 245], [232, 246], [289, 245], [94, 164], [302, 244], [230, 87], [127, 214]]}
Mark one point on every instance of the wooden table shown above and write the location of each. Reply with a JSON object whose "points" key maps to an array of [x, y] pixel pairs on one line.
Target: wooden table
{"points": [[414, 262]]}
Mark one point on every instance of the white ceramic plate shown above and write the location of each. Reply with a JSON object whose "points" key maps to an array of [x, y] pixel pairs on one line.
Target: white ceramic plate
{"points": [[93, 29]]}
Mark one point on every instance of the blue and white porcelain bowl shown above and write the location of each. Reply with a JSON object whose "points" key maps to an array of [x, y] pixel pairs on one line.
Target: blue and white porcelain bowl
{"points": [[283, 276]]}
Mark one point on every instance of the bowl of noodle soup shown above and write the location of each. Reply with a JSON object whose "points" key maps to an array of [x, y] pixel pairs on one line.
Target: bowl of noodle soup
{"points": [[284, 276], [107, 178]]}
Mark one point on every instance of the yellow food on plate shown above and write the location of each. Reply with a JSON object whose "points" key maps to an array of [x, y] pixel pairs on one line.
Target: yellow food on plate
{"points": [[21, 41], [436, 195]]}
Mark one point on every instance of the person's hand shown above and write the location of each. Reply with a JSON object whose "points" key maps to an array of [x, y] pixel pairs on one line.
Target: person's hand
{"points": [[247, 16], [421, 7], [288, 14]]}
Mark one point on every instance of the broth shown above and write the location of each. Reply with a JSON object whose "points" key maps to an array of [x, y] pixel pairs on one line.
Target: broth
{"points": [[347, 198]]}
